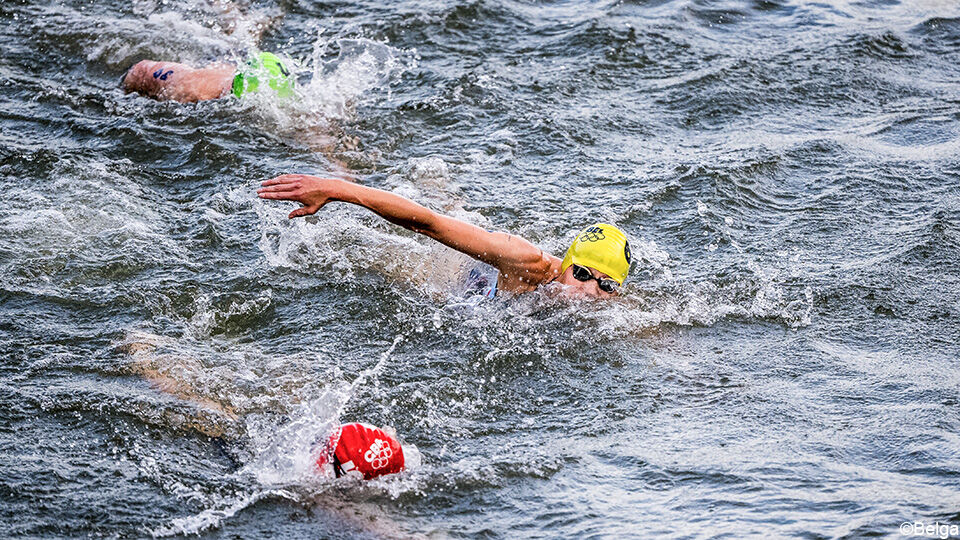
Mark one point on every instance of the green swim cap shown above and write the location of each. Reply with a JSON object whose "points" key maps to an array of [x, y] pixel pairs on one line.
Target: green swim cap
{"points": [[278, 77]]}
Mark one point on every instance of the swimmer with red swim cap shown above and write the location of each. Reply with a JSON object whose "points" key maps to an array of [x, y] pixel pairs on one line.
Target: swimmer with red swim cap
{"points": [[596, 264], [363, 451], [358, 450]]}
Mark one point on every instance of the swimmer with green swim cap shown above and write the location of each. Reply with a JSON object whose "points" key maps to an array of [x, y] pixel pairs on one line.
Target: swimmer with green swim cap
{"points": [[596, 264], [180, 82]]}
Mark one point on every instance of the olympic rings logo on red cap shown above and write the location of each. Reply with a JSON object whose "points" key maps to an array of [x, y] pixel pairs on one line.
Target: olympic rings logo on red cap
{"points": [[379, 454]]}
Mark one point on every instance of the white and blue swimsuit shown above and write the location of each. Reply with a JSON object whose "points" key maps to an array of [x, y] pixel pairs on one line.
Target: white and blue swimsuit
{"points": [[482, 281]]}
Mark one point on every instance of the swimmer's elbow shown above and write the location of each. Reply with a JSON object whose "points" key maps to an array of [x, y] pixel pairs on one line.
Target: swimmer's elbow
{"points": [[429, 223], [418, 219]]}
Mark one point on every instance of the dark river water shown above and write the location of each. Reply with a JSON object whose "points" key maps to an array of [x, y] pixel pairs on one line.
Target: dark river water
{"points": [[783, 363]]}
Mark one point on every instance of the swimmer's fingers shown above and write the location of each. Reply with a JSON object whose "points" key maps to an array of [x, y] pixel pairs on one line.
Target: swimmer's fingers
{"points": [[291, 179], [284, 185], [282, 195], [305, 211], [287, 186], [310, 191], [276, 181]]}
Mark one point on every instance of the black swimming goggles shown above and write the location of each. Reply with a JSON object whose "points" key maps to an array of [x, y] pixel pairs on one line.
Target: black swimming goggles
{"points": [[607, 285], [337, 468]]}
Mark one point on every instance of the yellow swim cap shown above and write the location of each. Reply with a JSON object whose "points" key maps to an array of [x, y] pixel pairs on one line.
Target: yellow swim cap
{"points": [[602, 247]]}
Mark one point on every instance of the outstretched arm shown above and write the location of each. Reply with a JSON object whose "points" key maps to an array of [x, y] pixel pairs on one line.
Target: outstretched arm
{"points": [[522, 264]]}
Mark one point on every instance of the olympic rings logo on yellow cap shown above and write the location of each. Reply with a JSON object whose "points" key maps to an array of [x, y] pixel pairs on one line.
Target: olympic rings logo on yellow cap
{"points": [[592, 234]]}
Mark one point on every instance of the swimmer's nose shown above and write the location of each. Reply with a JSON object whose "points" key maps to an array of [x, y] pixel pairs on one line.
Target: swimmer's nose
{"points": [[583, 289]]}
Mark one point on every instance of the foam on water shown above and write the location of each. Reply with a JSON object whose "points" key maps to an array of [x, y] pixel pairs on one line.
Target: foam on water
{"points": [[212, 517], [361, 65], [93, 220]]}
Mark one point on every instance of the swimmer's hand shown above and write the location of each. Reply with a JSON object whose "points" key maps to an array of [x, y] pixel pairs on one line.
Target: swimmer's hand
{"points": [[310, 191]]}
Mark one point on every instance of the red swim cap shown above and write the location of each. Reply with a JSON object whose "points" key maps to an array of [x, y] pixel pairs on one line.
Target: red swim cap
{"points": [[367, 450]]}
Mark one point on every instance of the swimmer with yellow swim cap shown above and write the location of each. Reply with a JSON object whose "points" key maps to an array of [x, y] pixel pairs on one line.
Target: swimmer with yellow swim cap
{"points": [[186, 84], [596, 264]]}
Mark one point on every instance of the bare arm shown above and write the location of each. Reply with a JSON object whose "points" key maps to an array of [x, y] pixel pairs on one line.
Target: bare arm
{"points": [[522, 264], [149, 365]]}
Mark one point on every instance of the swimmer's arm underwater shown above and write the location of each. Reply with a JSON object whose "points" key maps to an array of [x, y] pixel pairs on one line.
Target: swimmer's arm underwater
{"points": [[523, 265]]}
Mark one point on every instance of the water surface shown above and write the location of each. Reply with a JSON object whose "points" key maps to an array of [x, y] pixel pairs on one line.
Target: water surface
{"points": [[783, 363]]}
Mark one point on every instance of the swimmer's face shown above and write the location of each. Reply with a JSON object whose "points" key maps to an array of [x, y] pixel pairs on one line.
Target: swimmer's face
{"points": [[591, 287]]}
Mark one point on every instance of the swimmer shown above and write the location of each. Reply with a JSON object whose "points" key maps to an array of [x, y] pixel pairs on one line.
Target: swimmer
{"points": [[359, 450], [363, 451], [179, 82], [171, 81], [596, 264]]}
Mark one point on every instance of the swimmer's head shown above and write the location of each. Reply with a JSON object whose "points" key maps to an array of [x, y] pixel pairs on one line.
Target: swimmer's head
{"points": [[278, 77], [366, 451], [598, 254]]}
